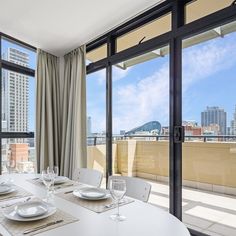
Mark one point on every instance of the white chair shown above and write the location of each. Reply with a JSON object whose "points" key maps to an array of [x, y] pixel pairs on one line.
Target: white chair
{"points": [[135, 187], [88, 176]]}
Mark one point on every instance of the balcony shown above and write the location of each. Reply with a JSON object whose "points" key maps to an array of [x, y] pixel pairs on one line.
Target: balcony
{"points": [[209, 176]]}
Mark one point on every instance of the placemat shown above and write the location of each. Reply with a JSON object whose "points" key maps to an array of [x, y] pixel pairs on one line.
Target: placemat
{"points": [[17, 228], [19, 193], [95, 206], [38, 182]]}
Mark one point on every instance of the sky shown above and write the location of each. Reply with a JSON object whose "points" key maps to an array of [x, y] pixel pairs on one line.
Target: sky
{"points": [[32, 89], [141, 93]]}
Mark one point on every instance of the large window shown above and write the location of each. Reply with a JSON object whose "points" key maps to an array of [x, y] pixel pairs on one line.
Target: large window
{"points": [[198, 98], [96, 121], [209, 117], [17, 107], [141, 121]]}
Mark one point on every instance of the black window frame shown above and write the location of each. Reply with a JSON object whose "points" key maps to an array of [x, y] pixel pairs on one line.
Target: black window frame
{"points": [[10, 66], [174, 38]]}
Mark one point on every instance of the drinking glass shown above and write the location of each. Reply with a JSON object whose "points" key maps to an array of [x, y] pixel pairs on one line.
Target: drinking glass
{"points": [[10, 165], [48, 179], [55, 169], [117, 189]]}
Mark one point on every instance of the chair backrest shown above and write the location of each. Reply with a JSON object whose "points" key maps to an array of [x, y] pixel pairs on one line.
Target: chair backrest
{"points": [[88, 176], [135, 187]]}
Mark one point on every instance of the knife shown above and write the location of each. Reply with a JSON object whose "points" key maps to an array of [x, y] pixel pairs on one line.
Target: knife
{"points": [[42, 226]]}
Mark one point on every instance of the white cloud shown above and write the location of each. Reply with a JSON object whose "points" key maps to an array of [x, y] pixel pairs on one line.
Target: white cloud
{"points": [[118, 74]]}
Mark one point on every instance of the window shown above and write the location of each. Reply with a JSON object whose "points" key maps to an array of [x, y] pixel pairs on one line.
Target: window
{"points": [[97, 54], [18, 108], [141, 121], [209, 117], [144, 33], [18, 54], [96, 121], [200, 8]]}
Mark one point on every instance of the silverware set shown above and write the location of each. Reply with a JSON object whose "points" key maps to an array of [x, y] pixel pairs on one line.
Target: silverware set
{"points": [[114, 204], [63, 186], [12, 204], [28, 231]]}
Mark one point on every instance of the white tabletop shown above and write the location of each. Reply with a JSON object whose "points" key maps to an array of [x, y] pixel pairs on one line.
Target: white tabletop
{"points": [[143, 219]]}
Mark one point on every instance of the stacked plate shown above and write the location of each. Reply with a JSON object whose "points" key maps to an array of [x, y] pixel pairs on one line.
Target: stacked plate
{"points": [[6, 189], [92, 194], [29, 211]]}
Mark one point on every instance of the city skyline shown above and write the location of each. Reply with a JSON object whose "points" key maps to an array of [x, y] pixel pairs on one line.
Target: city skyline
{"points": [[184, 123]]}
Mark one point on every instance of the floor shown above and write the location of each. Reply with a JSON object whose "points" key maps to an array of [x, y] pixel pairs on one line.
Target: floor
{"points": [[207, 212]]}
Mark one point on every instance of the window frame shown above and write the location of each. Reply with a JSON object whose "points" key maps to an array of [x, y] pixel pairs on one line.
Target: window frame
{"points": [[174, 38], [10, 66]]}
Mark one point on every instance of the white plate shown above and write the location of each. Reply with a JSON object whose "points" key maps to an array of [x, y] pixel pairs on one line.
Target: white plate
{"points": [[78, 194], [6, 189], [11, 214], [58, 180], [32, 209]]}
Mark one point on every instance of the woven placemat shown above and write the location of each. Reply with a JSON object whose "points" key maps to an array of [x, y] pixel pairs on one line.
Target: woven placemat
{"points": [[16, 228], [39, 183], [19, 193], [95, 206]]}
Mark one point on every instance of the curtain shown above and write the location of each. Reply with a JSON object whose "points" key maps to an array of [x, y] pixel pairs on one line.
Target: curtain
{"points": [[74, 147], [47, 111]]}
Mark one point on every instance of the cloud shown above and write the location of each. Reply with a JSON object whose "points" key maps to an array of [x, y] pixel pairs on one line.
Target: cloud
{"points": [[117, 75]]}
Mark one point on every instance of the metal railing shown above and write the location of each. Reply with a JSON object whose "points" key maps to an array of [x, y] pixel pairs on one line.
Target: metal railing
{"points": [[99, 140]]}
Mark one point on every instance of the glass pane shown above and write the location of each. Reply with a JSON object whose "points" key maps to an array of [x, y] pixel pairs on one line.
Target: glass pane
{"points": [[97, 54], [209, 114], [144, 33], [96, 122], [18, 102], [200, 8], [141, 121], [18, 156], [18, 54]]}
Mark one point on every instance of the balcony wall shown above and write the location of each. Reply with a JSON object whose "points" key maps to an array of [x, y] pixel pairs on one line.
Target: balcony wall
{"points": [[210, 165]]}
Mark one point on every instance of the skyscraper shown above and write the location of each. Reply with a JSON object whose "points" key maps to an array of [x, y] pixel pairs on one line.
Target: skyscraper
{"points": [[15, 93], [233, 124], [214, 115]]}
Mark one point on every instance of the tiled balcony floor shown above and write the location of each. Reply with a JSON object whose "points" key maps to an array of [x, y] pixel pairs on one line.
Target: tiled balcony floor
{"points": [[207, 212]]}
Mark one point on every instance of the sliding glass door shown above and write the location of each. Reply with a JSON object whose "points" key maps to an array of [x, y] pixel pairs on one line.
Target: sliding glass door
{"points": [[209, 118]]}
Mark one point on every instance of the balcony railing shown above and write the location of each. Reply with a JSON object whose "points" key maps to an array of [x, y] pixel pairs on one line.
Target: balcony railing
{"points": [[99, 140]]}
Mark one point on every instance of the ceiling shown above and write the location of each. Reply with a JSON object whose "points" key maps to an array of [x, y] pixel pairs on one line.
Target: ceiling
{"points": [[58, 26]]}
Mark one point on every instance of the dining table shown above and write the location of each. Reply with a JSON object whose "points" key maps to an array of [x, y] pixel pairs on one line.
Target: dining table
{"points": [[142, 219]]}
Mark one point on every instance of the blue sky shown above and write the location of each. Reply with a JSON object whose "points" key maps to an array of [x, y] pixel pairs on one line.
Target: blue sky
{"points": [[32, 84], [141, 93]]}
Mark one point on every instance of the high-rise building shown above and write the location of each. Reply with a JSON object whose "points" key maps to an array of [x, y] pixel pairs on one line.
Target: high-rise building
{"points": [[214, 116], [89, 126], [233, 124], [15, 93]]}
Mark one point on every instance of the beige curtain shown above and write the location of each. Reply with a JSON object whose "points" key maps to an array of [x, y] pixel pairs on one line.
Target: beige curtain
{"points": [[74, 148], [47, 111]]}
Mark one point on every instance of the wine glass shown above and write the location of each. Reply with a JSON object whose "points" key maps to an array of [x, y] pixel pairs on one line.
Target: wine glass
{"points": [[55, 171], [48, 177], [117, 189], [10, 166]]}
